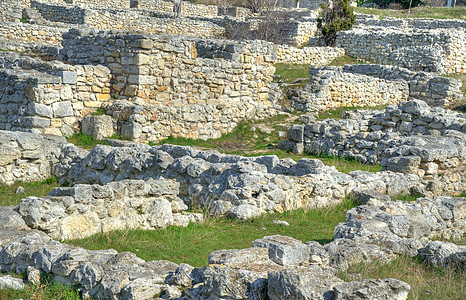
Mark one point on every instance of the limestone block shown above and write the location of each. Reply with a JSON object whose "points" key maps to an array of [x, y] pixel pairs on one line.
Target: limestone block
{"points": [[372, 289], [284, 250], [41, 110], [62, 109], [302, 283], [132, 130], [80, 226], [8, 282], [69, 77], [98, 126], [252, 255]]}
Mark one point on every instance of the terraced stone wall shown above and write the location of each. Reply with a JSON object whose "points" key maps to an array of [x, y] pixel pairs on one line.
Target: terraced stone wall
{"points": [[25, 37], [115, 18], [11, 10]]}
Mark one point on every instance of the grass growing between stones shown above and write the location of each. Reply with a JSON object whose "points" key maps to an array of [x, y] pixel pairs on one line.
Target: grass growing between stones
{"points": [[336, 113], [48, 289], [290, 72], [426, 282], [88, 141], [348, 60], [255, 138], [458, 12], [8, 194], [194, 243]]}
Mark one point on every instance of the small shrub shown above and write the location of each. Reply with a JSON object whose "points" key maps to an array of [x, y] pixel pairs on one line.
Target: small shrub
{"points": [[335, 18]]}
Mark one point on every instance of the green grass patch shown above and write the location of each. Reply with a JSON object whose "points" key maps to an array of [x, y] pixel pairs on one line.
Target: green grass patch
{"points": [[194, 243], [348, 60], [47, 289], [290, 72], [99, 112], [246, 142], [335, 113], [39, 189], [408, 198], [458, 12], [88, 141], [426, 282]]}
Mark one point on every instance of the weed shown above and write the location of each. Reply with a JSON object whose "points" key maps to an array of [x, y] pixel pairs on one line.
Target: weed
{"points": [[99, 112], [47, 289], [290, 72], [426, 282], [42, 188], [336, 113], [405, 197], [88, 141], [194, 243], [348, 60]]}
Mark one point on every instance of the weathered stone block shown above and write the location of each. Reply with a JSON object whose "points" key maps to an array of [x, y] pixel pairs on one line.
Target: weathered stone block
{"points": [[98, 126], [62, 109], [69, 77], [284, 250]]}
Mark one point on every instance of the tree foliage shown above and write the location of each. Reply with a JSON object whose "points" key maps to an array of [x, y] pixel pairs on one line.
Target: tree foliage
{"points": [[336, 17]]}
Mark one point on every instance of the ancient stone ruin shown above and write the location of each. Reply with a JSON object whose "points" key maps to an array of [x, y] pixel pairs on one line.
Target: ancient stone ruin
{"points": [[132, 69]]}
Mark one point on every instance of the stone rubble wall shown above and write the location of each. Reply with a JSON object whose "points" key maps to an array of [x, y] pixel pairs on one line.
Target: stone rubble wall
{"points": [[232, 185], [49, 98], [269, 268], [332, 87], [436, 50], [316, 56], [11, 10], [410, 138], [435, 90], [84, 210], [191, 87], [131, 20], [417, 23], [372, 85], [30, 33], [294, 31], [31, 157]]}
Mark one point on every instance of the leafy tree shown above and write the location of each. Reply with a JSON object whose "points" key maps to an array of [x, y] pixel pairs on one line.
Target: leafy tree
{"points": [[336, 17]]}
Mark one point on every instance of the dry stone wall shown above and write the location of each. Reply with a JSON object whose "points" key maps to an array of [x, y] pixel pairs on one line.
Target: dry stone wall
{"points": [[31, 157], [132, 20], [269, 268], [372, 85], [437, 50], [11, 11], [410, 138], [23, 37], [234, 185], [49, 98], [84, 210], [181, 86]]}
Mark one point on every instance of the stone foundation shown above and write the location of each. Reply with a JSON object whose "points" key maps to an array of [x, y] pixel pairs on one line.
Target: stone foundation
{"points": [[84, 210]]}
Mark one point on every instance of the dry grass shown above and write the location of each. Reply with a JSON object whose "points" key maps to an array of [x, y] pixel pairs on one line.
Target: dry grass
{"points": [[426, 282]]}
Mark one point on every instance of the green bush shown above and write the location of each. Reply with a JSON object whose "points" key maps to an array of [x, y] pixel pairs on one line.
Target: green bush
{"points": [[334, 19]]}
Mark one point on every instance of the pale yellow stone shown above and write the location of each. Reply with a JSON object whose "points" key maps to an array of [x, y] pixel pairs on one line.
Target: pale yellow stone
{"points": [[56, 123], [53, 131], [80, 226], [92, 104]]}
